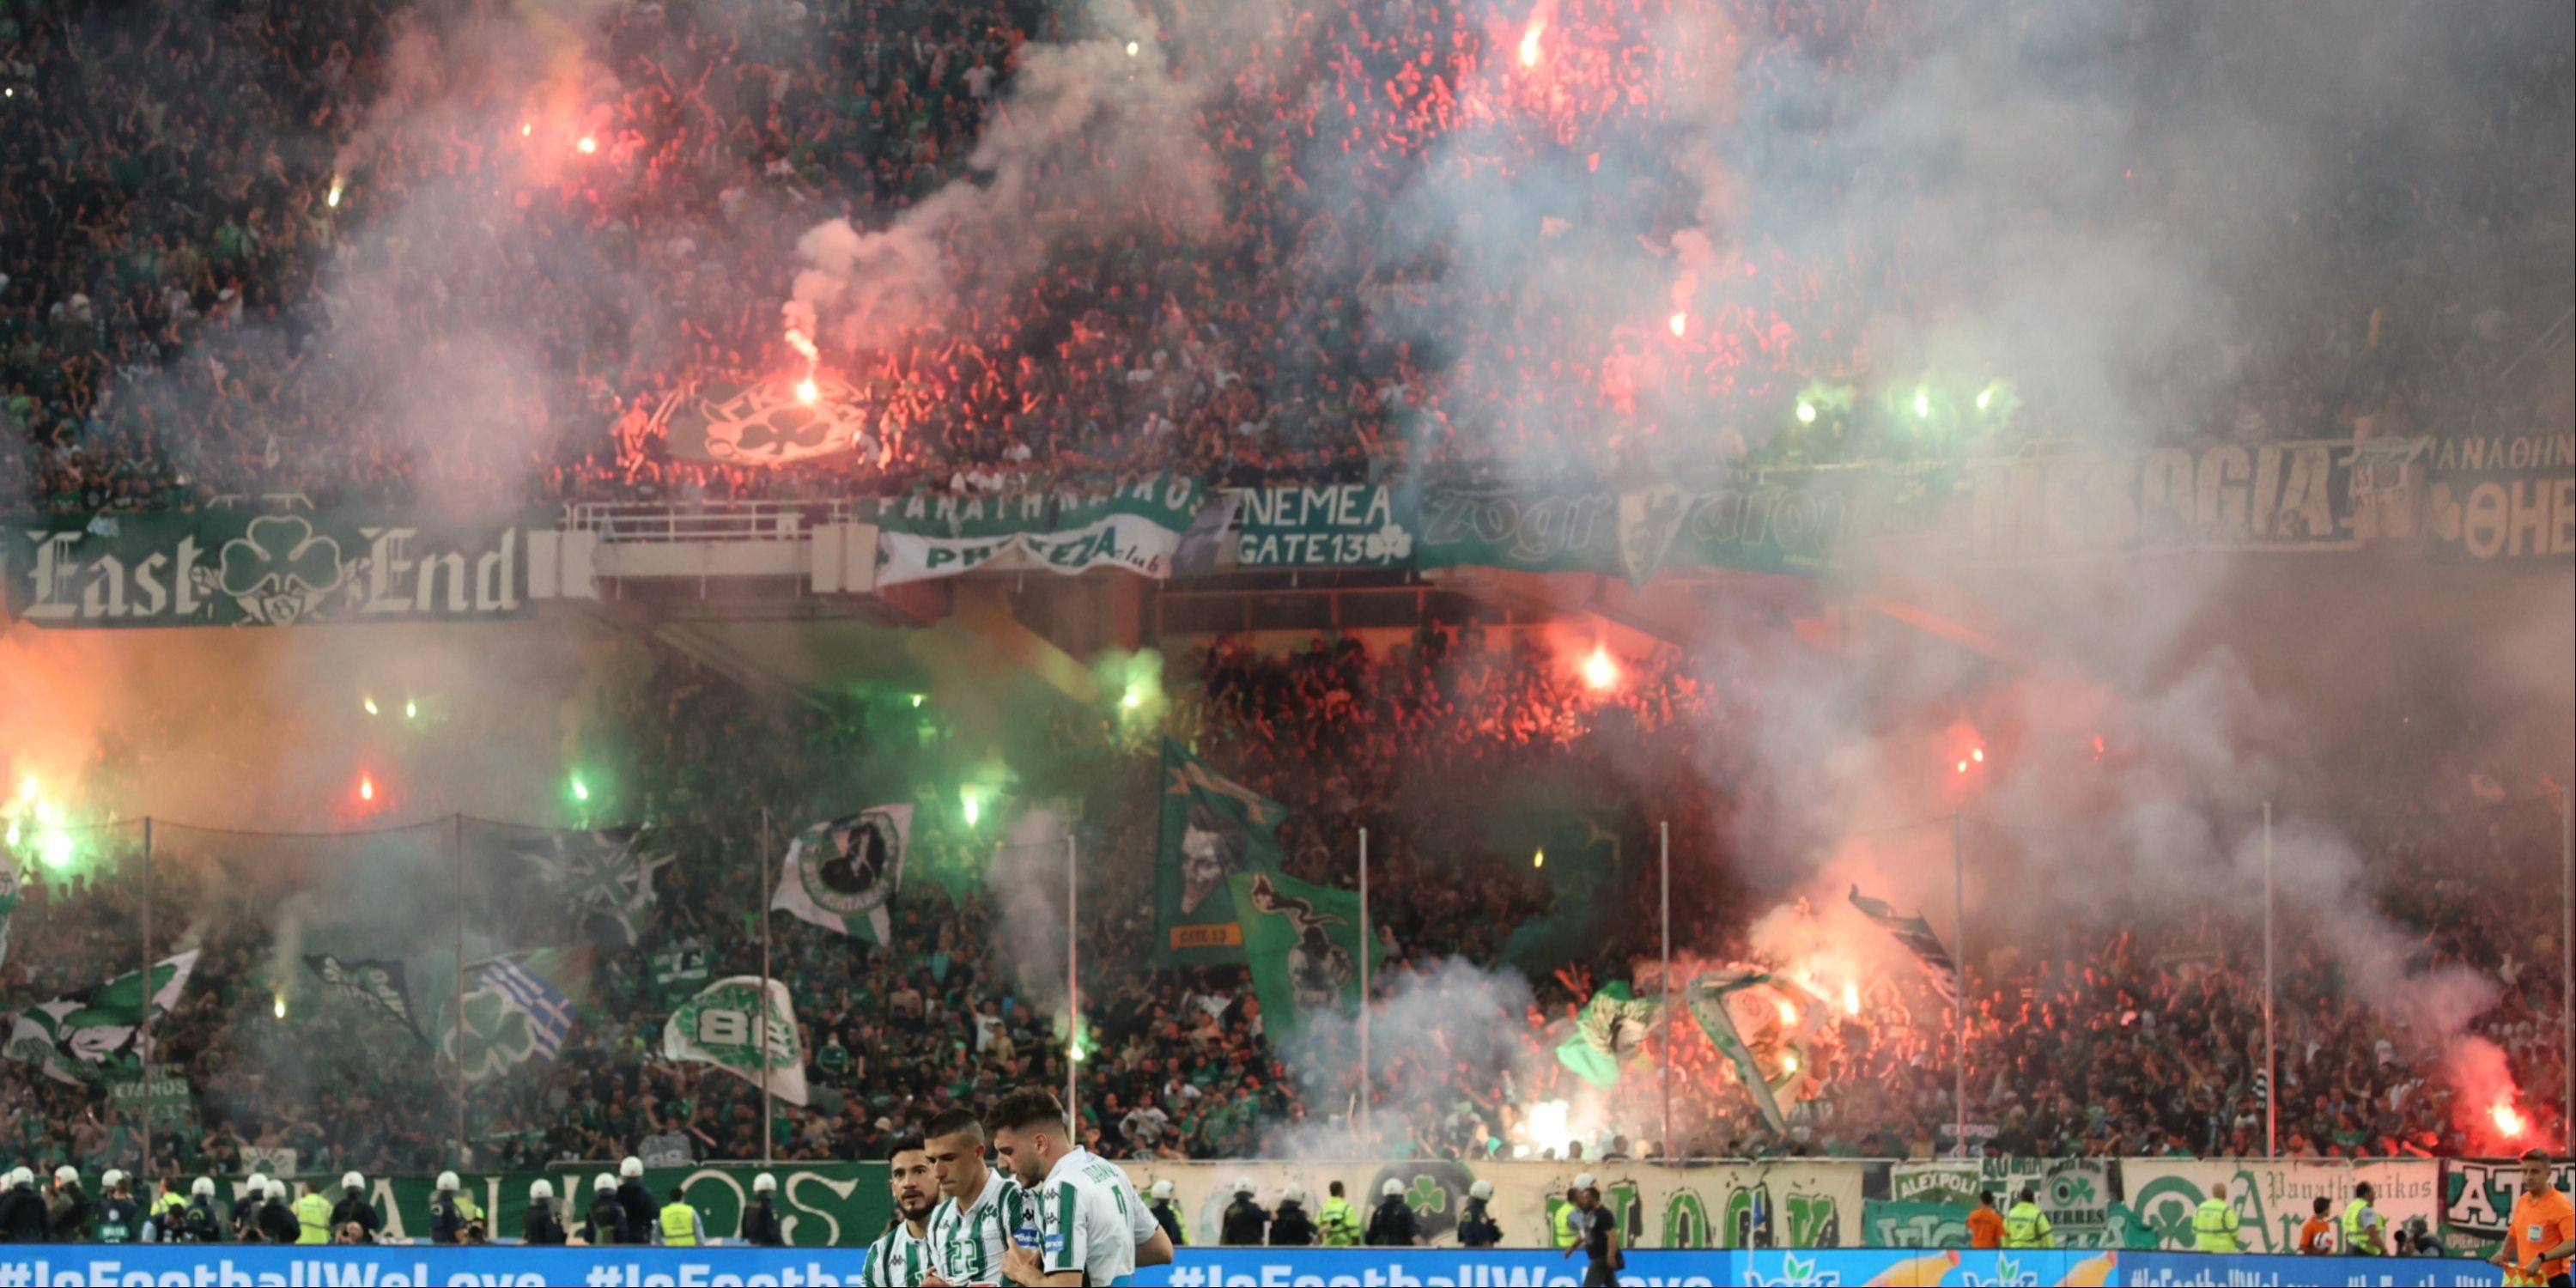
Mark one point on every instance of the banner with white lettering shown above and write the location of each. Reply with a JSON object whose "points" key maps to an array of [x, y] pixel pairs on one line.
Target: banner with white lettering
{"points": [[232, 568], [2501, 497], [2214, 497], [1136, 527], [1322, 525]]}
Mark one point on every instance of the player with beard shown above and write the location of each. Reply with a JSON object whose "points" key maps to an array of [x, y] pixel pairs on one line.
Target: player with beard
{"points": [[901, 1256], [1093, 1228]]}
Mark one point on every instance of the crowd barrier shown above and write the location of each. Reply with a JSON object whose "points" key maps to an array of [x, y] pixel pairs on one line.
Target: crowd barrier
{"points": [[58, 1266]]}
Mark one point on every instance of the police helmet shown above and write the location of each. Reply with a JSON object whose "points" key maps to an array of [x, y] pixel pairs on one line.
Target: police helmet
{"points": [[1293, 1194], [764, 1184], [447, 1182], [353, 1181], [1243, 1186], [540, 1191], [1393, 1189], [203, 1187], [1481, 1190], [1162, 1191], [604, 1183], [632, 1168]]}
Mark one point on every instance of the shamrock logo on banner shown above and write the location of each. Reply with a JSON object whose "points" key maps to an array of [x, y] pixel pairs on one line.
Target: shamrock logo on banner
{"points": [[279, 570], [496, 1036]]}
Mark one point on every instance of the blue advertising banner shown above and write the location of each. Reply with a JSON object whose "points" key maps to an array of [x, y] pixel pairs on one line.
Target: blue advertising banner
{"points": [[65, 1266]]}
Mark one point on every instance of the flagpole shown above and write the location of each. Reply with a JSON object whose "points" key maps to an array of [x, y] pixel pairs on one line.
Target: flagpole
{"points": [[1368, 941], [1664, 841], [456, 854], [768, 1124], [146, 1041], [1072, 990], [1959, 968], [2271, 1068]]}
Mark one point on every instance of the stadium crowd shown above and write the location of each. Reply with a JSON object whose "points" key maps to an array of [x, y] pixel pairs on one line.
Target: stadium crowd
{"points": [[1416, 742], [249, 251]]}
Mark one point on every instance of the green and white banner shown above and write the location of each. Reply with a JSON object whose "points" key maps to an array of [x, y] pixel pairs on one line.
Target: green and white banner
{"points": [[1135, 527], [2273, 1200], [1324, 525], [2074, 1193], [229, 568], [87, 1039], [724, 1026], [1213, 828], [1303, 943], [843, 874], [161, 1091]]}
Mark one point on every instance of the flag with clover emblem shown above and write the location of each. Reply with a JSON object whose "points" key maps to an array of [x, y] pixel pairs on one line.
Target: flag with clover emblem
{"points": [[843, 874], [723, 1026], [517, 1008], [82, 1039], [1608, 1033]]}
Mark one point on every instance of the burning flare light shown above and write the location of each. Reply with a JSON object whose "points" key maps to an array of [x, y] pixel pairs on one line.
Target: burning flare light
{"points": [[1679, 322], [2507, 1119], [588, 145], [1529, 41], [1598, 670]]}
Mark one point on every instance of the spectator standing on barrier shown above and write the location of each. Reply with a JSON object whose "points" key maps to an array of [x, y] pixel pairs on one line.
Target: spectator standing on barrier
{"points": [[541, 1228], [1476, 1226], [1245, 1224], [2213, 1224], [761, 1227], [2026, 1226], [1392, 1225], [1600, 1241], [1289, 1226], [2542, 1237], [120, 1220], [1985, 1224], [1340, 1225], [354, 1208], [2365, 1232], [2316, 1238], [1167, 1218], [607, 1228]]}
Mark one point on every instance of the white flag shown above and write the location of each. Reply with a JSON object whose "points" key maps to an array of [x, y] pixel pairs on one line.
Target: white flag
{"points": [[843, 874], [722, 1026]]}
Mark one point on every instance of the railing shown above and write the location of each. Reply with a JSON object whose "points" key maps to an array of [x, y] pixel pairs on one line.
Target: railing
{"points": [[668, 522]]}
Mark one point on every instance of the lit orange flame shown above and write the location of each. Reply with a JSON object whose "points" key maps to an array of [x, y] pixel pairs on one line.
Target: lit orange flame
{"points": [[2508, 1119], [2097, 746], [1963, 766], [807, 391], [1979, 755], [527, 128], [1599, 670], [1529, 42], [366, 787], [1788, 1013], [1679, 322], [1851, 999], [587, 145]]}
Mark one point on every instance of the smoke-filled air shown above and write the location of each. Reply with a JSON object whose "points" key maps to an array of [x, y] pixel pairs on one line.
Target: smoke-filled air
{"points": [[1411, 592]]}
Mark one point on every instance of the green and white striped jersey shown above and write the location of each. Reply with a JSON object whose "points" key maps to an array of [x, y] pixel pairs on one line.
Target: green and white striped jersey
{"points": [[895, 1260], [1083, 1219], [966, 1244]]}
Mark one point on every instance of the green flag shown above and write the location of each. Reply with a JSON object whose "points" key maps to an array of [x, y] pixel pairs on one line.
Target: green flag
{"points": [[1213, 829], [1303, 942], [8, 901], [722, 1026], [1708, 1003], [1607, 1034], [83, 1039]]}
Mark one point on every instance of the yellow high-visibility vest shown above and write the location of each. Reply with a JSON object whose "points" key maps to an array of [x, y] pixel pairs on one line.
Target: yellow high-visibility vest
{"points": [[2353, 1244], [2213, 1226], [679, 1226], [312, 1219], [2026, 1227], [1566, 1235]]}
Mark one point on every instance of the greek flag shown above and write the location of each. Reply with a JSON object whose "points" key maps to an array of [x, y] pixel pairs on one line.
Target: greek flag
{"points": [[549, 1012]]}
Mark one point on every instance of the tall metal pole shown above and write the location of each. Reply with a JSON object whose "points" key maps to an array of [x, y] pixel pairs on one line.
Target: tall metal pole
{"points": [[768, 1123], [2567, 960], [456, 854], [1368, 941], [1072, 988], [1959, 968], [144, 1040], [2271, 1065], [1664, 843]]}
